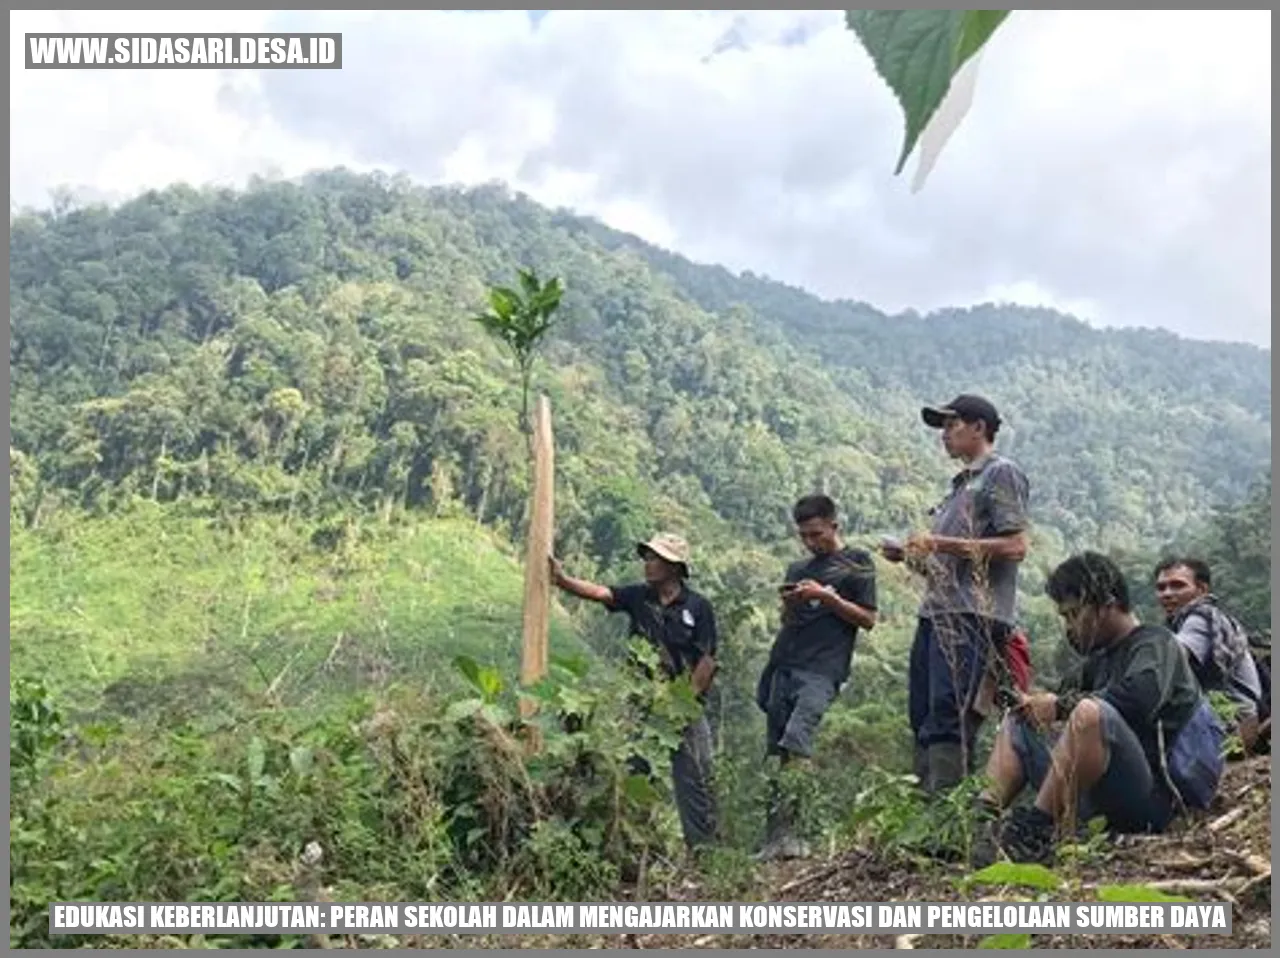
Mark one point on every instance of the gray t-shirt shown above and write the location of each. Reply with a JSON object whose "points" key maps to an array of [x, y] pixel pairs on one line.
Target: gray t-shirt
{"points": [[987, 499], [1241, 684]]}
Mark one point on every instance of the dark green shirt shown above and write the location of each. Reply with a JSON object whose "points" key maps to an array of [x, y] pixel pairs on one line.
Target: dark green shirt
{"points": [[1146, 677]]}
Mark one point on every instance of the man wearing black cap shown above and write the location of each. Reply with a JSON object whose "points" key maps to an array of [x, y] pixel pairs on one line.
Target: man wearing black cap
{"points": [[969, 559], [681, 625]]}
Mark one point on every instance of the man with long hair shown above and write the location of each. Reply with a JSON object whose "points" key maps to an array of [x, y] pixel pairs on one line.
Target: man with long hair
{"points": [[1128, 736]]}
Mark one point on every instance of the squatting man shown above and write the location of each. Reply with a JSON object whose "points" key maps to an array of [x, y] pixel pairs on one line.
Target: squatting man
{"points": [[1129, 736]]}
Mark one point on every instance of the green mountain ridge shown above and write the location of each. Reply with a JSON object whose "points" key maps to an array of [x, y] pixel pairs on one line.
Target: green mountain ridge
{"points": [[699, 397]]}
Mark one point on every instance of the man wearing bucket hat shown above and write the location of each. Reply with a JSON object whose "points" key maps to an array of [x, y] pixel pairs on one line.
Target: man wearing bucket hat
{"points": [[969, 559], [681, 624]]}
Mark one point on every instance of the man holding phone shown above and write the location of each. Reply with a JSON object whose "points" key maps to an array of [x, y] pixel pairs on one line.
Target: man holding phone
{"points": [[826, 599]]}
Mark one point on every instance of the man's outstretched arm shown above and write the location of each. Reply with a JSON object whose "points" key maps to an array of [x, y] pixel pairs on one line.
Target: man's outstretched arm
{"points": [[583, 589]]}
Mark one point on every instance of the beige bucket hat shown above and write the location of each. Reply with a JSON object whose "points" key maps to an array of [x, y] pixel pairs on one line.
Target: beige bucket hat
{"points": [[667, 546]]}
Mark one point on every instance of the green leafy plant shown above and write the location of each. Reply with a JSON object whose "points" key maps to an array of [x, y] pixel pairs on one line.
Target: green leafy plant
{"points": [[1012, 941], [1225, 709], [36, 725], [486, 680], [1034, 877], [1089, 847], [1022, 875], [1136, 893], [521, 319], [918, 53]]}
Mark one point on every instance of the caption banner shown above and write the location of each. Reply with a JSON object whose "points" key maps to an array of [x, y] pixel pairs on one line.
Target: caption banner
{"points": [[730, 918]]}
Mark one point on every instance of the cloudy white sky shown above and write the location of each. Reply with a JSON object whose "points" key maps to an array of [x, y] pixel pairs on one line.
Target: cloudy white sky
{"points": [[1114, 164]]}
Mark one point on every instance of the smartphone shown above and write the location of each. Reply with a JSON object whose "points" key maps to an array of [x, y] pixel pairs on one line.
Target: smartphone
{"points": [[891, 544], [787, 587]]}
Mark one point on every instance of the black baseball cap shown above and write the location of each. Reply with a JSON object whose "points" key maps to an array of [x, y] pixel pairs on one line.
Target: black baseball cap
{"points": [[966, 407]]}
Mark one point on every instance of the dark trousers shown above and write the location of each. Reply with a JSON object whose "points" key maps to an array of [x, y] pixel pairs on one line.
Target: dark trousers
{"points": [[797, 701], [691, 776], [1130, 795], [949, 659], [691, 779]]}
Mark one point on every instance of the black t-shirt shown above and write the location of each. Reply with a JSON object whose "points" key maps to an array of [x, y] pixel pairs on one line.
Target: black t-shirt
{"points": [[813, 637], [685, 629]]}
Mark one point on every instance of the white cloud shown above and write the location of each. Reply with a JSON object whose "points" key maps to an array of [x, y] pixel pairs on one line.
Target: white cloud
{"points": [[1113, 163], [114, 133], [1030, 293]]}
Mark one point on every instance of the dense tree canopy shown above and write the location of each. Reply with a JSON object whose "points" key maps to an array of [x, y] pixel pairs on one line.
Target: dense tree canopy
{"points": [[304, 346]]}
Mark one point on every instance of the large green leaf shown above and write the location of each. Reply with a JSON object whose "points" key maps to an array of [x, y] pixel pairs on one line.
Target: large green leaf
{"points": [[1027, 875], [490, 682], [470, 669], [917, 53], [976, 27], [1016, 942], [1135, 893], [639, 790], [505, 301]]}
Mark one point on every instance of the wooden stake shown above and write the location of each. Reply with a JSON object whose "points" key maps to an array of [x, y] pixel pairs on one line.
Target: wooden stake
{"points": [[537, 574]]}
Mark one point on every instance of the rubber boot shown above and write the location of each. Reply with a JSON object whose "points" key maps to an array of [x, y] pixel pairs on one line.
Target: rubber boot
{"points": [[780, 839], [920, 765], [946, 767]]}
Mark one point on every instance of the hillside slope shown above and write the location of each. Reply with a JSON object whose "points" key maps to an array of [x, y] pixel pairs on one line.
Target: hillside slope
{"points": [[153, 615]]}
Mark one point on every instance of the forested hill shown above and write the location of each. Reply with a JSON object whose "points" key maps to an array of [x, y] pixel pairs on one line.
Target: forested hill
{"points": [[1095, 411], [306, 346], [252, 435]]}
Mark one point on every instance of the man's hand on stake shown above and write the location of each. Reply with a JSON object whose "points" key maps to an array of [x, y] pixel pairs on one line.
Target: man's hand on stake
{"points": [[557, 570]]}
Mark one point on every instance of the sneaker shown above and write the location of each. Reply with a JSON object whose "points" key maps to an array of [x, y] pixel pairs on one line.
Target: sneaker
{"points": [[985, 848], [1028, 836]]}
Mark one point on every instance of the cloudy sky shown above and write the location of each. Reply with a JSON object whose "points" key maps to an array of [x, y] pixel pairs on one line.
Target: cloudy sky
{"points": [[1116, 165]]}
